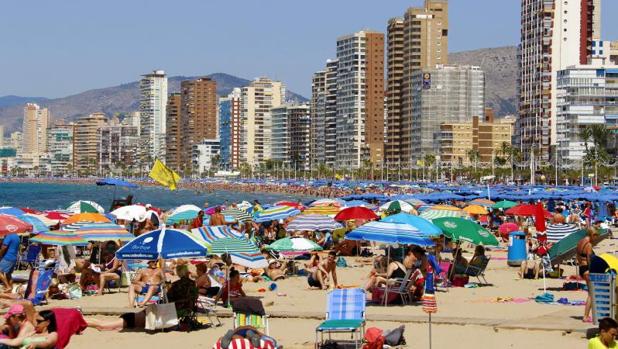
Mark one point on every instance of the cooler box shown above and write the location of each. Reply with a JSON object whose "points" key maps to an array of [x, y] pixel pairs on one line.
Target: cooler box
{"points": [[517, 248]]}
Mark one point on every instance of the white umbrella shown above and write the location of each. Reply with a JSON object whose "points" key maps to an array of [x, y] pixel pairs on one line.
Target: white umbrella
{"points": [[131, 212], [405, 206], [183, 208]]}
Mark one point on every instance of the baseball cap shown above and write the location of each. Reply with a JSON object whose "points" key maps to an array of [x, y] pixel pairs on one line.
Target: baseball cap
{"points": [[14, 310]]}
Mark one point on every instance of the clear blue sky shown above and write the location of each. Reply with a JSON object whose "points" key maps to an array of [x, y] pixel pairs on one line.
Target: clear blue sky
{"points": [[57, 48]]}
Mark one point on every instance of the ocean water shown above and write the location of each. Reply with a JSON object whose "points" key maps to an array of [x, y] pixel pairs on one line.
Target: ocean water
{"points": [[45, 196]]}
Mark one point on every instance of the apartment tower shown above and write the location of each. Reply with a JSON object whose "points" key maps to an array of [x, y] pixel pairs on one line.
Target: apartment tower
{"points": [[235, 127], [35, 127], [85, 136], [173, 134], [152, 104]]}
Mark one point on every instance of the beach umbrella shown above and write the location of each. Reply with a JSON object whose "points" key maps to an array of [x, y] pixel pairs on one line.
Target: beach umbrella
{"points": [[558, 231], [296, 205], [526, 210], [445, 208], [13, 225], [163, 243], [415, 202], [363, 203], [328, 202], [604, 263], [476, 210], [244, 205], [86, 217], [211, 233], [37, 225], [56, 216], [42, 218], [12, 211], [275, 213], [424, 226], [242, 252], [323, 210], [482, 202], [355, 213], [397, 206], [130, 213], [459, 229], [294, 245], [182, 216], [183, 208], [504, 204], [30, 210], [58, 238], [104, 232], [506, 228], [236, 215], [313, 222], [391, 233], [432, 214], [82, 206]]}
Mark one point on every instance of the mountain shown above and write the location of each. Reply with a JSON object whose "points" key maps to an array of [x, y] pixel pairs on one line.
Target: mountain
{"points": [[500, 67], [110, 100]]}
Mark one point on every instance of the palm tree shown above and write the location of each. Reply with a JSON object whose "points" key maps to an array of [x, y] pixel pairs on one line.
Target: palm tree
{"points": [[474, 155], [429, 160]]}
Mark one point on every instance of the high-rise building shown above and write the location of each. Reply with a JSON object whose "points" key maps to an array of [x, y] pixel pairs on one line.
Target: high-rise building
{"points": [[417, 41], [613, 52], [173, 134], [60, 144], [229, 122], [555, 34], [15, 140], [291, 140], [360, 99], [152, 104], [203, 155], [235, 127], [1, 136], [324, 115], [85, 145], [444, 94], [117, 147], [35, 125], [257, 99]]}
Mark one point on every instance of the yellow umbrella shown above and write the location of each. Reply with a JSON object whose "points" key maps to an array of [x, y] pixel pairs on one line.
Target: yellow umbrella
{"points": [[475, 209], [87, 217], [445, 207], [611, 260], [324, 210]]}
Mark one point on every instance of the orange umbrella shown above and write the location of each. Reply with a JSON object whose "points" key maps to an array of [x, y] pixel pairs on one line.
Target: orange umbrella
{"points": [[475, 209], [445, 207], [87, 217]]}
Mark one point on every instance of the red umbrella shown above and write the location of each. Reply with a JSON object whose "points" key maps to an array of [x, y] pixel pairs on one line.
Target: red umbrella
{"points": [[296, 205], [506, 228], [357, 212], [12, 225], [526, 211], [56, 216], [30, 210]]}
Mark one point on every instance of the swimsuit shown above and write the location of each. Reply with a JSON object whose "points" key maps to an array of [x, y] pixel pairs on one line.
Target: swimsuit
{"points": [[313, 282]]}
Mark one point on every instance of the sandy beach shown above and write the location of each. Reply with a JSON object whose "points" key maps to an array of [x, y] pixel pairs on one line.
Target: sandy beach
{"points": [[503, 314]]}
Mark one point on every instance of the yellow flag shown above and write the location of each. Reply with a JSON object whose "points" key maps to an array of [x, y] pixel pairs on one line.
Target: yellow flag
{"points": [[420, 162], [164, 175]]}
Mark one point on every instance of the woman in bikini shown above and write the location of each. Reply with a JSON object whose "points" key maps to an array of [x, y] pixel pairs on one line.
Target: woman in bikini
{"points": [[584, 254]]}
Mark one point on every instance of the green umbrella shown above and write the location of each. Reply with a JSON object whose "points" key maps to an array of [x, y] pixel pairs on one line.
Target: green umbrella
{"points": [[504, 204], [237, 215], [394, 207], [294, 244], [232, 245], [460, 229]]}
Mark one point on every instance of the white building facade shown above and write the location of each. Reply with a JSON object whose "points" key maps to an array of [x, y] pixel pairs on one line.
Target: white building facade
{"points": [[152, 109]]}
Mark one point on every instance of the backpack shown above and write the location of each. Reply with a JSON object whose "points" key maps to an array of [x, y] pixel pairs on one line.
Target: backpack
{"points": [[373, 338], [395, 336]]}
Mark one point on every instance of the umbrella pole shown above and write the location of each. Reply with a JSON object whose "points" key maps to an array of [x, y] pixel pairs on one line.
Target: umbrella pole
{"points": [[544, 280], [429, 330], [388, 253]]}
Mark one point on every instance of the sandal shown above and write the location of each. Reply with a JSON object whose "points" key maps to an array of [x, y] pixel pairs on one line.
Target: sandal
{"points": [[587, 319]]}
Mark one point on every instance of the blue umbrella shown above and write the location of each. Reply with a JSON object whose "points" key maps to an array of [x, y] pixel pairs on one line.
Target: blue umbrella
{"points": [[392, 233], [116, 182], [275, 213], [37, 225], [162, 243], [11, 211], [425, 227]]}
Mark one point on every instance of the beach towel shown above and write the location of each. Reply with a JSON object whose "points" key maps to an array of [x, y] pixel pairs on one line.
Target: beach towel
{"points": [[69, 322]]}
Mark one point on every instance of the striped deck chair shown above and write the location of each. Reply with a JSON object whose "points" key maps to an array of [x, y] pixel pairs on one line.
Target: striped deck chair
{"points": [[345, 314]]}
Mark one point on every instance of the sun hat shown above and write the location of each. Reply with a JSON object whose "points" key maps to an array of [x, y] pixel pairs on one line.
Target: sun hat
{"points": [[15, 309]]}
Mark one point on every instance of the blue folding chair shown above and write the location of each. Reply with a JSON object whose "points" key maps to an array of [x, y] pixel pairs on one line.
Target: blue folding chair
{"points": [[345, 314], [39, 282]]}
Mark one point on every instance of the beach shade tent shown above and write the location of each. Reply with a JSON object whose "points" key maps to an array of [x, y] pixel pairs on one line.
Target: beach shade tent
{"points": [[397, 206], [459, 229], [526, 210], [313, 222], [432, 214], [275, 213], [86, 217], [328, 202], [116, 182], [604, 263], [330, 211], [59, 238], [236, 215], [293, 245], [504, 204], [13, 225], [183, 216], [355, 213], [83, 206], [558, 231], [38, 226], [163, 243], [482, 202], [424, 226], [102, 232], [12, 211], [183, 208], [476, 210], [390, 233], [296, 205], [130, 213], [242, 252], [565, 249]]}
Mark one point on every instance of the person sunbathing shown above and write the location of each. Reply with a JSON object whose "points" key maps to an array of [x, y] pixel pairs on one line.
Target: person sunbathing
{"points": [[276, 270], [394, 271], [148, 282], [204, 283], [16, 326], [319, 277]]}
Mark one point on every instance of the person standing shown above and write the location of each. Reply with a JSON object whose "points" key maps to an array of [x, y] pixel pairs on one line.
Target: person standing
{"points": [[8, 255], [217, 218], [584, 255]]}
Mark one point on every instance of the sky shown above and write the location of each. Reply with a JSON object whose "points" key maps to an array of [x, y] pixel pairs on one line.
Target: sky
{"points": [[58, 48]]}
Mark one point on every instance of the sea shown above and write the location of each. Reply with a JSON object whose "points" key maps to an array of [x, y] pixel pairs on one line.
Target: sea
{"points": [[51, 196]]}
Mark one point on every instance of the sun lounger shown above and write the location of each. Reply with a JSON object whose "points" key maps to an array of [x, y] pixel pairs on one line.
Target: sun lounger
{"points": [[345, 314], [249, 311]]}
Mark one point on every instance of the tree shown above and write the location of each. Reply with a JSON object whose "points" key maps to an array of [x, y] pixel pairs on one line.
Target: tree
{"points": [[473, 156], [595, 154], [429, 160]]}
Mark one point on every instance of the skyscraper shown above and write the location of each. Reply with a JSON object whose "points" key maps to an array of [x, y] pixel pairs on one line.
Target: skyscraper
{"points": [[555, 34], [360, 99], [229, 118], [35, 125], [235, 127], [324, 115], [173, 136], [419, 40], [152, 104], [198, 114], [258, 99], [85, 134], [291, 136], [117, 147], [60, 146]]}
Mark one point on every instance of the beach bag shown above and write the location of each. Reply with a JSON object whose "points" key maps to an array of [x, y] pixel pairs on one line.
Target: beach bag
{"points": [[373, 338], [341, 263], [395, 337], [161, 316], [74, 291]]}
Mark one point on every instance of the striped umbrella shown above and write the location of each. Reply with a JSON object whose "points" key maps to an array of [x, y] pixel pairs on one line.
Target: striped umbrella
{"points": [[313, 222], [558, 231], [82, 206], [432, 214], [237, 215], [37, 225], [275, 213], [415, 202], [183, 208], [482, 202], [243, 252], [104, 232], [12, 211], [294, 245], [323, 210], [183, 216], [59, 239], [403, 207], [392, 233], [328, 202], [212, 233]]}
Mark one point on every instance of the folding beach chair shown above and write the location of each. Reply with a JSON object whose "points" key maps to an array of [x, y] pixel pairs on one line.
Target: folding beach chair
{"points": [[39, 282], [345, 314], [249, 311], [400, 287], [206, 305], [479, 270], [29, 258]]}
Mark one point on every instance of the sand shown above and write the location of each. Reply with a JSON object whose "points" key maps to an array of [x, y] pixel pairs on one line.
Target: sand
{"points": [[466, 318]]}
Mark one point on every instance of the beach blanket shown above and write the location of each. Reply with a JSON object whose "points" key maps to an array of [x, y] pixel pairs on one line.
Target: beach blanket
{"points": [[69, 322]]}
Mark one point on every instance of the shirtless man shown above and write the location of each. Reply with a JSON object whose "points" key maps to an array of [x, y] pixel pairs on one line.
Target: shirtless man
{"points": [[320, 276], [146, 281], [217, 218]]}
